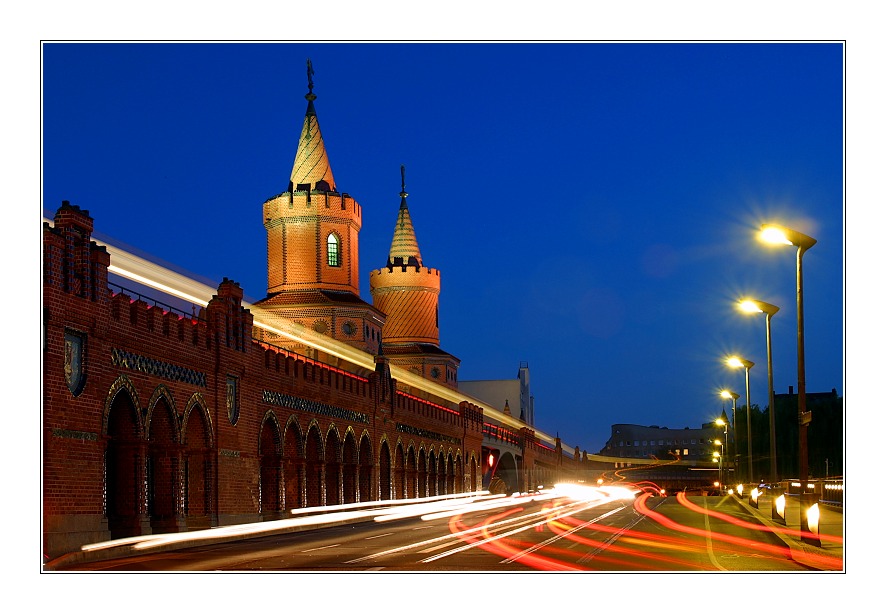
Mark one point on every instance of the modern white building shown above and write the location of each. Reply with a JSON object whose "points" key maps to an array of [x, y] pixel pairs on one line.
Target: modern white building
{"points": [[510, 395]]}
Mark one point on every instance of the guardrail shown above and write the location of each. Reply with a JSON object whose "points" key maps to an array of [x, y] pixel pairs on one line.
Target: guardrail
{"points": [[830, 491]]}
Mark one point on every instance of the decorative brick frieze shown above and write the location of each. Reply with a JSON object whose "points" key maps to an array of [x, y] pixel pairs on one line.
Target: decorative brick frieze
{"points": [[151, 366], [314, 407]]}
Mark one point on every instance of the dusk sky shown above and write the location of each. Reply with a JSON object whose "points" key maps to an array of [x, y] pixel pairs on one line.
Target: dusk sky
{"points": [[593, 208]]}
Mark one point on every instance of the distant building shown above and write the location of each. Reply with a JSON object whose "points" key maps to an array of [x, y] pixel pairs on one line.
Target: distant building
{"points": [[635, 441], [500, 393]]}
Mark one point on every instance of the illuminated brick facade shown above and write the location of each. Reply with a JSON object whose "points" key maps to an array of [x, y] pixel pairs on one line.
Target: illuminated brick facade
{"points": [[313, 251]]}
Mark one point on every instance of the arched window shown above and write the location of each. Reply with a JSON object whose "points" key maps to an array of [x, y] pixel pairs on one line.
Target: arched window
{"points": [[333, 253]]}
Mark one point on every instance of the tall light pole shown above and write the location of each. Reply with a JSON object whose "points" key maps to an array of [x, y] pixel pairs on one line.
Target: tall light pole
{"points": [[735, 362], [772, 233], [750, 305], [728, 394]]}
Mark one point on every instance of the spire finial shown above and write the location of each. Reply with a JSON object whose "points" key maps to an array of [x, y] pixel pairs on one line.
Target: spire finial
{"points": [[403, 181], [310, 95]]}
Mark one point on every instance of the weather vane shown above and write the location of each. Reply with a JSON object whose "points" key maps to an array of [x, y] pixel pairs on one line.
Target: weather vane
{"points": [[310, 77], [403, 180]]}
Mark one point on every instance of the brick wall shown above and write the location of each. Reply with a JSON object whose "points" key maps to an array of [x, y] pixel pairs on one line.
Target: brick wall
{"points": [[180, 422]]}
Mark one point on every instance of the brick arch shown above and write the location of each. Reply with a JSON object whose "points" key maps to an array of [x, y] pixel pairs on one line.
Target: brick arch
{"points": [[293, 464], [422, 472], [199, 463], [292, 433], [333, 467], [162, 393], [398, 470], [163, 462], [349, 467], [411, 473], [385, 470], [314, 475], [450, 473], [270, 453], [365, 468], [432, 472], [441, 471], [124, 467], [122, 383], [196, 405]]}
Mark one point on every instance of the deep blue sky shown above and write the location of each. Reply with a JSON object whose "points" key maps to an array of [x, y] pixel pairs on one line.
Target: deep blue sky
{"points": [[592, 207]]}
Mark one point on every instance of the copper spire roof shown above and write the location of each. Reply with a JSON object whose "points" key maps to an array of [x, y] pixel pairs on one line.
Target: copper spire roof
{"points": [[404, 245], [311, 164]]}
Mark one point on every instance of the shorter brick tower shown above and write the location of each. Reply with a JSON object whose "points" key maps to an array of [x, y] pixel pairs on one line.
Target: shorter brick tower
{"points": [[408, 293], [313, 250]]}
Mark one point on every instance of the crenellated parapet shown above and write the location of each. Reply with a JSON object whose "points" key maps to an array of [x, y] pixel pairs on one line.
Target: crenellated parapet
{"points": [[402, 276], [305, 202]]}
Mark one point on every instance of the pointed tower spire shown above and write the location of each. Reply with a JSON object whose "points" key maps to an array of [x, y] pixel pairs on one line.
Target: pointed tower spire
{"points": [[408, 293], [404, 245], [311, 169]]}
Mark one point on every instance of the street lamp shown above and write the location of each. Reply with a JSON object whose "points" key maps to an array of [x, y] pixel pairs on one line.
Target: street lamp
{"points": [[735, 362], [772, 233], [728, 394], [749, 305]]}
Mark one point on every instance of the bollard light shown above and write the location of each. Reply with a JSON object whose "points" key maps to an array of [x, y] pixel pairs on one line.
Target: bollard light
{"points": [[740, 489], [778, 506], [810, 533], [754, 496]]}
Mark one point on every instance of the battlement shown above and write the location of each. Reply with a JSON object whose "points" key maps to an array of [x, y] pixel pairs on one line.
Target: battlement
{"points": [[155, 318], [311, 203], [404, 278]]}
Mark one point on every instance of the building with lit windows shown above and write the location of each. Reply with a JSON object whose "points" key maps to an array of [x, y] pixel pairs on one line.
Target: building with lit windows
{"points": [[632, 441]]}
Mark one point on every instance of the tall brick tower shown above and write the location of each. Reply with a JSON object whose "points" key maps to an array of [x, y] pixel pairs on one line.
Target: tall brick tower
{"points": [[408, 293], [313, 250]]}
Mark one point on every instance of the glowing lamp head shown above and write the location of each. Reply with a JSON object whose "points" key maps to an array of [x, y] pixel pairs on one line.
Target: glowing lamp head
{"points": [[749, 305], [491, 459], [728, 394], [774, 235], [779, 235], [736, 362], [720, 422]]}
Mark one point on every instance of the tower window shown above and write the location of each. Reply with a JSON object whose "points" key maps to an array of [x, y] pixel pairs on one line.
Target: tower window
{"points": [[333, 253]]}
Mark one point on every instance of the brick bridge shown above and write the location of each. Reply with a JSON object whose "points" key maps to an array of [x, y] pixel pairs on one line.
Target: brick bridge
{"points": [[159, 420]]}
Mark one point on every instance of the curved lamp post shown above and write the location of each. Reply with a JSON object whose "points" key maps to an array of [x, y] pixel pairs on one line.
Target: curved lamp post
{"points": [[749, 305], [728, 394], [735, 362], [779, 235]]}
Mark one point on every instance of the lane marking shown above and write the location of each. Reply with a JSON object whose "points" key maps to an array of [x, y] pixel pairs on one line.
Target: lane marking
{"points": [[321, 548]]}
